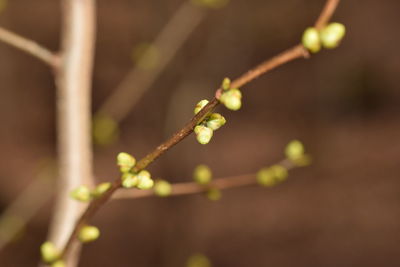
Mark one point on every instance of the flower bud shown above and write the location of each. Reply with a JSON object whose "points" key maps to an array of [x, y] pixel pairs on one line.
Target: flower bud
{"points": [[81, 193], [265, 177], [202, 174], [88, 234], [203, 134], [162, 188], [232, 99], [101, 189], [214, 194], [332, 35], [49, 252], [311, 40], [129, 180], [215, 121], [280, 172], [58, 263], [144, 180], [198, 260], [294, 150], [226, 84], [125, 162], [199, 106]]}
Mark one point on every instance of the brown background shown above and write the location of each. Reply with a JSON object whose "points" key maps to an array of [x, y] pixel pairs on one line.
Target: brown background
{"points": [[344, 210]]}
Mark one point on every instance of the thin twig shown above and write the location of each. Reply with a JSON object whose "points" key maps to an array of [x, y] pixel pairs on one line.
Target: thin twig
{"points": [[287, 56], [29, 47], [326, 13], [167, 44], [188, 188], [74, 78]]}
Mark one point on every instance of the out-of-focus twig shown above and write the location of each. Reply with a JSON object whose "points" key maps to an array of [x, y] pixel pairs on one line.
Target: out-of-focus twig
{"points": [[167, 44], [29, 47]]}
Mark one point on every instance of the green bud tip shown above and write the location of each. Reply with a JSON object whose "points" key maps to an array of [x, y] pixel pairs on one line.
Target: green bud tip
{"points": [[202, 174], [198, 260], [272, 175], [203, 134], [232, 99], [58, 263], [88, 234], [162, 188], [125, 162], [199, 106], [105, 130], [280, 172], [129, 180], [226, 84], [214, 194], [215, 121], [311, 40], [332, 35], [144, 180], [49, 252], [82, 193], [294, 150], [101, 189]]}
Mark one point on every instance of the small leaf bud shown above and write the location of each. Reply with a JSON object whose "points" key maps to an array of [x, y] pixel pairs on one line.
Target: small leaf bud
{"points": [[215, 121], [232, 99], [162, 188], [294, 150], [101, 189], [214, 194], [199, 106], [280, 172], [125, 162], [202, 174], [226, 84], [311, 40], [81, 193], [144, 180], [198, 260], [88, 234], [58, 263], [203, 134], [266, 177], [129, 180], [332, 35], [49, 252]]}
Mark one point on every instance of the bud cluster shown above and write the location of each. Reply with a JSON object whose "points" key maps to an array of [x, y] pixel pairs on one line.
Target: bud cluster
{"points": [[328, 37]]}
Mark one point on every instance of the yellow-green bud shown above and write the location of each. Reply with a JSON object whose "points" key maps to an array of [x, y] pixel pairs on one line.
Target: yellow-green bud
{"points": [[294, 150], [226, 84], [88, 234], [49, 252], [144, 180], [58, 263], [129, 180], [199, 106], [162, 188], [202, 174], [203, 134], [280, 172], [332, 34], [81, 193], [210, 3], [214, 194], [101, 189], [215, 121], [266, 177], [232, 99], [105, 130], [311, 40], [198, 260], [125, 162]]}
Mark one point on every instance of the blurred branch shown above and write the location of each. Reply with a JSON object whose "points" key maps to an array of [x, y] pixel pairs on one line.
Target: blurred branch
{"points": [[296, 52], [168, 42], [188, 188], [29, 47], [73, 78]]}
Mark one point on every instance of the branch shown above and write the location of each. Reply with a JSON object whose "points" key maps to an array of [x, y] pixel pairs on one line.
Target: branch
{"points": [[73, 78], [168, 42], [291, 54], [29, 47], [180, 189]]}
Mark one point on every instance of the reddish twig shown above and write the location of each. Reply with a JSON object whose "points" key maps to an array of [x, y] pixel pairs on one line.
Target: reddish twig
{"points": [[296, 52]]}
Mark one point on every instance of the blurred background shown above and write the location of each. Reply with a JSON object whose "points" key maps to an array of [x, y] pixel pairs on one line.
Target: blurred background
{"points": [[343, 104]]}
